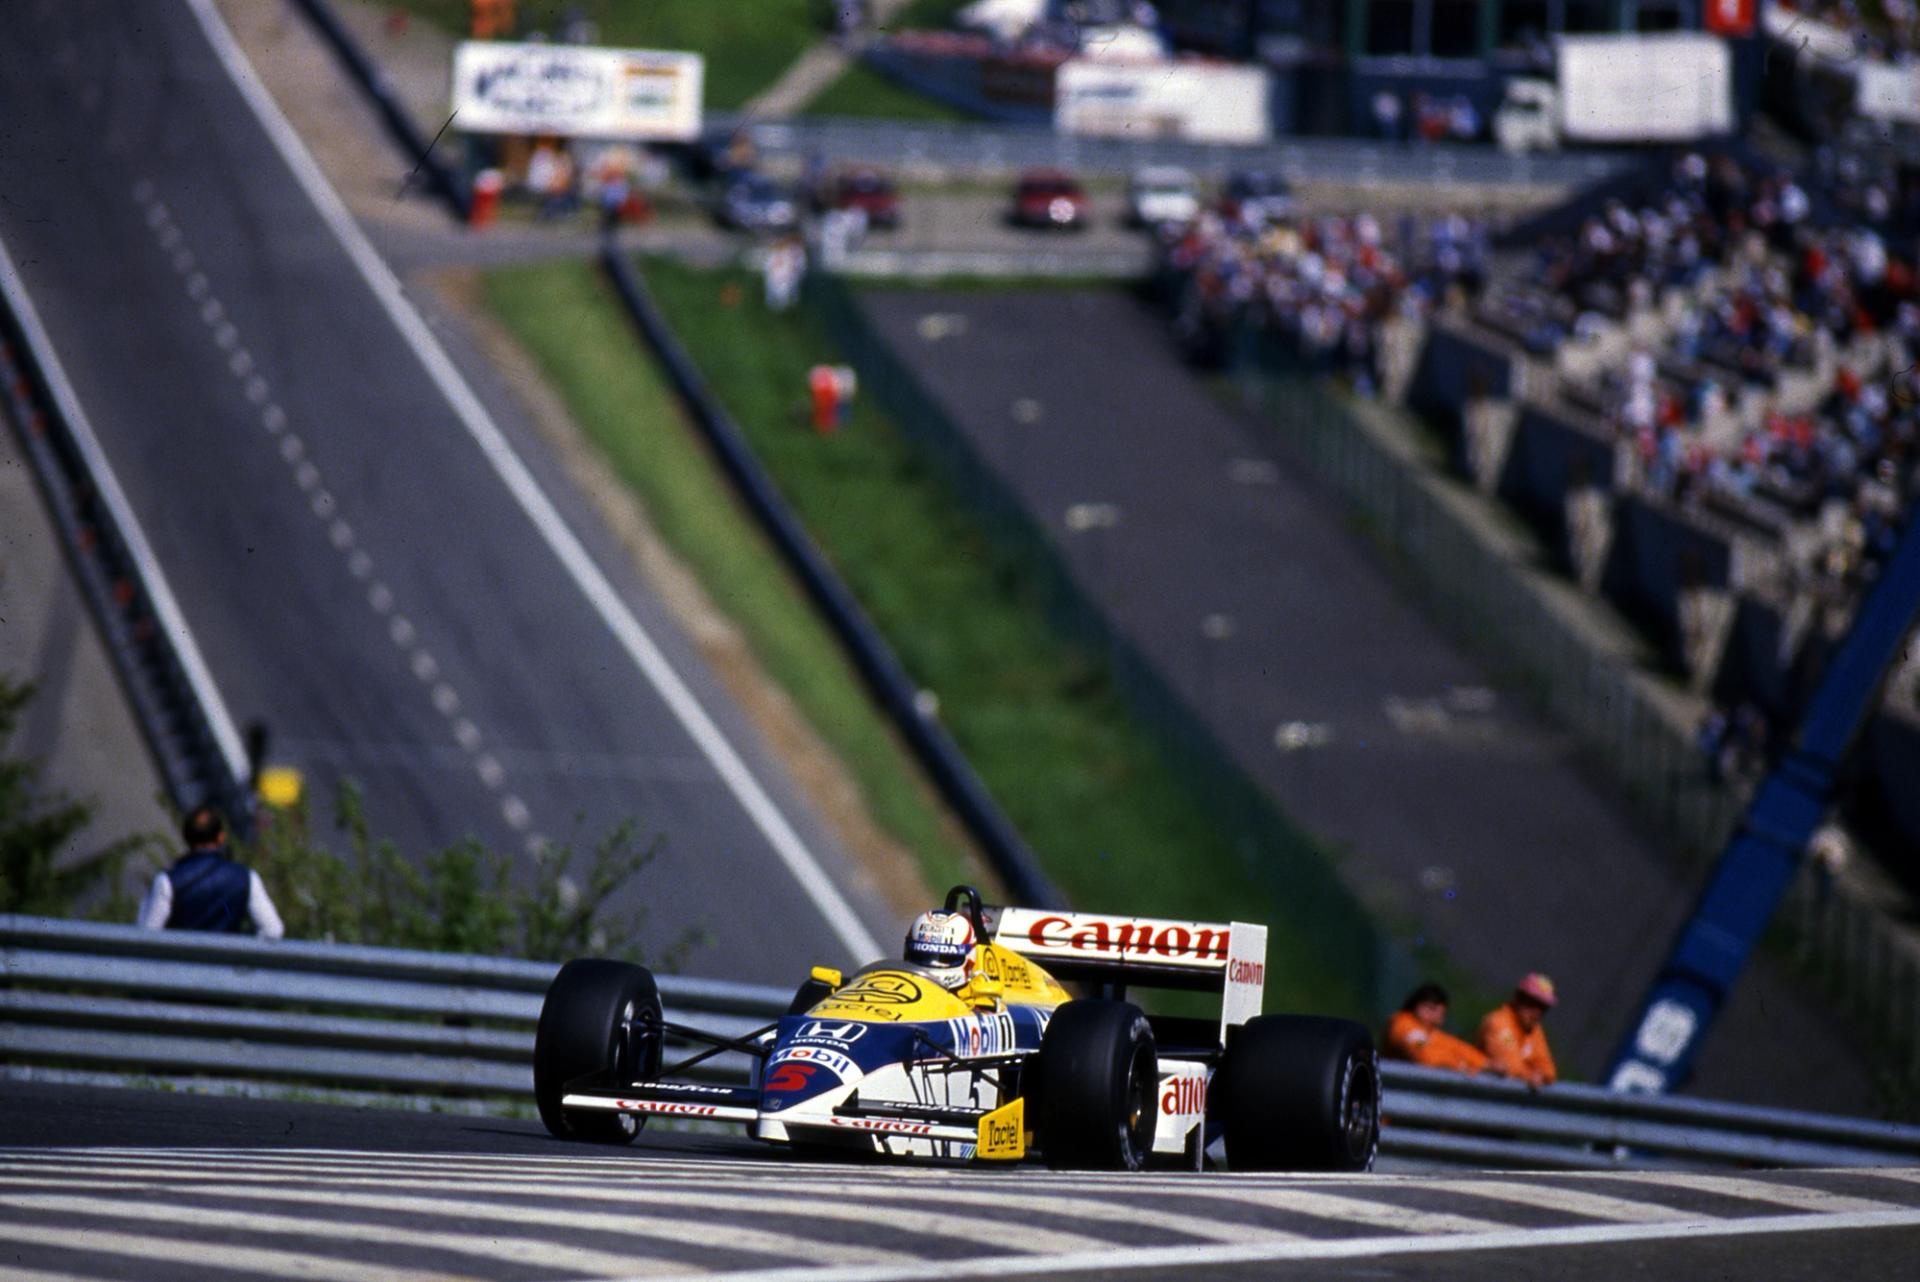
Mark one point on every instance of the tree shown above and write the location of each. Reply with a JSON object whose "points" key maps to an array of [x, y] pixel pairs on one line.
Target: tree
{"points": [[38, 828]]}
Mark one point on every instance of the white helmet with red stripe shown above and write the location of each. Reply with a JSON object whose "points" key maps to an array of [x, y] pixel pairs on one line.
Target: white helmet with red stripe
{"points": [[942, 943]]}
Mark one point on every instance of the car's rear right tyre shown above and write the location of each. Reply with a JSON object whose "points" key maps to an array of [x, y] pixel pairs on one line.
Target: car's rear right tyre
{"points": [[1299, 1093], [1094, 1100], [601, 1021]]}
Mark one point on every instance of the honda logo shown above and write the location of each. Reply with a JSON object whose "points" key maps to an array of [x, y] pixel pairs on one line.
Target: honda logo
{"points": [[820, 1030]]}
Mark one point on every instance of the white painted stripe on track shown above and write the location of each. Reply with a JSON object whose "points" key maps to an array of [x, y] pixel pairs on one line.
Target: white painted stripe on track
{"points": [[628, 1223], [19, 1273], [301, 1266], [1772, 1193], [548, 1256], [1597, 1206], [933, 1220], [552, 527], [1205, 1257]]}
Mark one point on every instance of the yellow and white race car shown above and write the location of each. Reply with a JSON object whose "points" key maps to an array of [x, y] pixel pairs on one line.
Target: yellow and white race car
{"points": [[976, 1050]]}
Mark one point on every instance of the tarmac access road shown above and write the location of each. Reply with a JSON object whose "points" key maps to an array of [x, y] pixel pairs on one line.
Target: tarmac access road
{"points": [[367, 563], [158, 1187], [1202, 541]]}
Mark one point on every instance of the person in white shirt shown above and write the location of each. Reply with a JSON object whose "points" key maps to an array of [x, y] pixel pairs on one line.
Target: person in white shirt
{"points": [[207, 890]]}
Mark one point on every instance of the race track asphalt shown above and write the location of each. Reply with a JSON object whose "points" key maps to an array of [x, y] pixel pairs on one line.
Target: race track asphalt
{"points": [[1456, 806], [356, 571]]}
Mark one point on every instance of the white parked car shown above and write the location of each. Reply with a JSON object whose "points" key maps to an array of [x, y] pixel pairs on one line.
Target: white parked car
{"points": [[1162, 194]]}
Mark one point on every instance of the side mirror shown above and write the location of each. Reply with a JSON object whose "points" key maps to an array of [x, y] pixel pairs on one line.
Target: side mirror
{"points": [[827, 975]]}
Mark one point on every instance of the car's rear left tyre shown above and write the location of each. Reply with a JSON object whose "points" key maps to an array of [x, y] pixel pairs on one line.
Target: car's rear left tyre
{"points": [[601, 1021], [1299, 1093], [1093, 1098]]}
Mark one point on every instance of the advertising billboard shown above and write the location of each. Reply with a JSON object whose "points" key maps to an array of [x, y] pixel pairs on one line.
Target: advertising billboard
{"points": [[576, 92]]}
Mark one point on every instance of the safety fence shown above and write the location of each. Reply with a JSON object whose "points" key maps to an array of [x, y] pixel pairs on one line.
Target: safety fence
{"points": [[226, 1012], [199, 755]]}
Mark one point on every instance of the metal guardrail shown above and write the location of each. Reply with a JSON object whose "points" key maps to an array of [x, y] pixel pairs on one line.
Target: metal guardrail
{"points": [[175, 702], [183, 1006], [979, 148], [450, 185]]}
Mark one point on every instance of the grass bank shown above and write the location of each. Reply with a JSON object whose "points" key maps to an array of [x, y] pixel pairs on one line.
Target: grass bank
{"points": [[567, 317]]}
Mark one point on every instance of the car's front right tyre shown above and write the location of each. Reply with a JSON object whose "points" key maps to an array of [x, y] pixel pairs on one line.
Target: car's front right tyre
{"points": [[1094, 1099], [601, 1022]]}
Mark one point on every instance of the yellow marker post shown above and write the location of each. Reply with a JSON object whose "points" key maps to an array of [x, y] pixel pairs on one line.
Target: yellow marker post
{"points": [[280, 786]]}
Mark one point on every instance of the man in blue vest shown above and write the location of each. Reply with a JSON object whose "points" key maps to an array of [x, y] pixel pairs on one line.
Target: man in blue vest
{"points": [[206, 890]]}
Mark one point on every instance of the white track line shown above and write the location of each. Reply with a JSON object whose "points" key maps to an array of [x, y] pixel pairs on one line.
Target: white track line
{"points": [[159, 595], [606, 602], [631, 1221], [1196, 1258], [1597, 1206], [219, 1222], [1795, 1196], [301, 1266], [642, 1209]]}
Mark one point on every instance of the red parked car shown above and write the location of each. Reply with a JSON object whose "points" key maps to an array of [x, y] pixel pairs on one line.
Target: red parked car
{"points": [[869, 191], [1049, 198]]}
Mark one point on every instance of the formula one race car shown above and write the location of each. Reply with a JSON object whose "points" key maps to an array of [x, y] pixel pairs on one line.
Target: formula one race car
{"points": [[976, 1051]]}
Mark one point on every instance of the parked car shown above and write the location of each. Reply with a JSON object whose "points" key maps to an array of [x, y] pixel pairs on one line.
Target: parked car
{"points": [[1255, 196], [1161, 194], [896, 1060], [754, 202], [867, 190], [1050, 198]]}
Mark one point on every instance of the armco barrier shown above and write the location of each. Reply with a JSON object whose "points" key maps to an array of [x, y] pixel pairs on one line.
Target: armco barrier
{"points": [[199, 755], [174, 1005], [1003, 846], [447, 183]]}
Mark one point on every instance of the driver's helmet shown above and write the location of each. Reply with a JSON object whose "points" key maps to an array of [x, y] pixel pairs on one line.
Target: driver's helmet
{"points": [[942, 942]]}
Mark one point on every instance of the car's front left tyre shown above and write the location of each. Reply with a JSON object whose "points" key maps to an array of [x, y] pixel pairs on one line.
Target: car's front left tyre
{"points": [[1093, 1101], [601, 1021]]}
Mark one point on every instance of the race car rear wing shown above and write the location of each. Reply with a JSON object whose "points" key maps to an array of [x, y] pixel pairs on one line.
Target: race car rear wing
{"points": [[1229, 958]]}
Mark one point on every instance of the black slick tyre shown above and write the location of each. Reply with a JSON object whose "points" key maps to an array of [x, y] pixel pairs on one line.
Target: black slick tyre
{"points": [[1299, 1093], [601, 1022], [1094, 1099]]}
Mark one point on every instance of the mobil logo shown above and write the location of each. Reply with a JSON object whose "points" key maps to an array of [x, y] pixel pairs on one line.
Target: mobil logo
{"points": [[832, 1061], [1129, 937], [1184, 1096], [821, 1030]]}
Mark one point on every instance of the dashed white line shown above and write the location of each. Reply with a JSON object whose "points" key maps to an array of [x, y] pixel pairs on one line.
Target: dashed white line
{"points": [[340, 534], [424, 666], [445, 699], [380, 598], [306, 476], [359, 565], [515, 812], [323, 505], [211, 311], [292, 447], [401, 630], [466, 734], [257, 390], [489, 769], [273, 418]]}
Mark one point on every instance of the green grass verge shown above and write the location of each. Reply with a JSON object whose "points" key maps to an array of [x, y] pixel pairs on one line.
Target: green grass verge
{"points": [[568, 317], [747, 43], [863, 92], [1036, 714]]}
